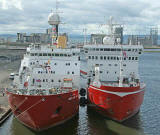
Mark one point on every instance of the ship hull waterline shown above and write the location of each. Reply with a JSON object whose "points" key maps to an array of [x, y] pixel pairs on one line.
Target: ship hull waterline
{"points": [[116, 103], [41, 112]]}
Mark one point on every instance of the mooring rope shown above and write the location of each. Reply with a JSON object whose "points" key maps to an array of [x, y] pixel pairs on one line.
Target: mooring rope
{"points": [[29, 107]]}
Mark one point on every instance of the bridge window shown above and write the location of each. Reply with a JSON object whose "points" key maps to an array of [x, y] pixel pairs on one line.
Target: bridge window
{"points": [[113, 49], [97, 49], [56, 54], [44, 54], [67, 64], [49, 54]]}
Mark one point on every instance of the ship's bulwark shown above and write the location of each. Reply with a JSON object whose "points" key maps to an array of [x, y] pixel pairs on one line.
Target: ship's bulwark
{"points": [[41, 112], [115, 105]]}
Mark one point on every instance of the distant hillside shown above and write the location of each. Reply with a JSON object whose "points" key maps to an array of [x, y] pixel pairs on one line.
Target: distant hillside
{"points": [[7, 35]]}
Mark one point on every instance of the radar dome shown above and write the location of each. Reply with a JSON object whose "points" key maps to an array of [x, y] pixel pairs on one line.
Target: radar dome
{"points": [[108, 40], [53, 19]]}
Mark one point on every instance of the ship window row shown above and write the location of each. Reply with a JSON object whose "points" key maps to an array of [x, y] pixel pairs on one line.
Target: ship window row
{"points": [[107, 72], [67, 64], [50, 54], [53, 72], [41, 72], [112, 58], [111, 65], [45, 80], [112, 49]]}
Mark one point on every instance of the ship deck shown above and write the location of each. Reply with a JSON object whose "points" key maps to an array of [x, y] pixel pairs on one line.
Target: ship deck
{"points": [[36, 92], [116, 84]]}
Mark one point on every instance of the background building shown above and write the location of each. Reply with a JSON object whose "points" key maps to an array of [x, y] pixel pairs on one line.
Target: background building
{"points": [[145, 40], [37, 37]]}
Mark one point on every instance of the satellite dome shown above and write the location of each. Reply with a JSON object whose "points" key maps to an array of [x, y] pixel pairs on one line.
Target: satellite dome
{"points": [[53, 19], [107, 40]]}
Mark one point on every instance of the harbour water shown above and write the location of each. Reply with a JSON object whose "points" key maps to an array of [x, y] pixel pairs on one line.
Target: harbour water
{"points": [[88, 122]]}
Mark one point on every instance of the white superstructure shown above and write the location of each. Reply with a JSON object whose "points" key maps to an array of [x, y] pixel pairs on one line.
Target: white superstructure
{"points": [[116, 62], [49, 66], [45, 67]]}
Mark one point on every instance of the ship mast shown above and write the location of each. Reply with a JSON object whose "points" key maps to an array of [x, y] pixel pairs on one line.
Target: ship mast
{"points": [[54, 21], [120, 68], [111, 33], [85, 36]]}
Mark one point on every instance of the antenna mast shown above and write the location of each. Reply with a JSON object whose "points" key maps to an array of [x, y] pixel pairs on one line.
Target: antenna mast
{"points": [[85, 36]]}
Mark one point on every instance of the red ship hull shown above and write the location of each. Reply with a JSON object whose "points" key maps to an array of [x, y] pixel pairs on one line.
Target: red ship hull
{"points": [[40, 112], [117, 103]]}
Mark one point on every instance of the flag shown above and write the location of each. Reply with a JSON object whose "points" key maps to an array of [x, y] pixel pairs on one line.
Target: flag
{"points": [[54, 43], [54, 29], [38, 80], [124, 54]]}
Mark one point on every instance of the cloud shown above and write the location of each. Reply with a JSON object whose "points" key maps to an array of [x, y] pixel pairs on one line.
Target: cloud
{"points": [[31, 15], [6, 4]]}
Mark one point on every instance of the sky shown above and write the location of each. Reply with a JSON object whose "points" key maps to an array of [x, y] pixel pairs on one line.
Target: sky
{"points": [[31, 16]]}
